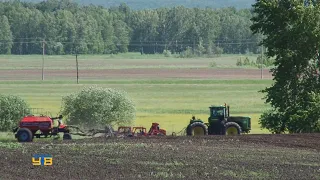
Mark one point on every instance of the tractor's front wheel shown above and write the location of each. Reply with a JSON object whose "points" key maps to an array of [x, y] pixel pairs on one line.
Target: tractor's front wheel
{"points": [[24, 135], [232, 128], [197, 129]]}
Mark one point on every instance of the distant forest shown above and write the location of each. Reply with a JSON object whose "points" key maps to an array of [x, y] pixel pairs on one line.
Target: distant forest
{"points": [[64, 27], [153, 4]]}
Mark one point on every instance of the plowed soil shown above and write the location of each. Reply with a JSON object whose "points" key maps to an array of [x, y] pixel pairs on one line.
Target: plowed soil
{"points": [[138, 73], [210, 157]]}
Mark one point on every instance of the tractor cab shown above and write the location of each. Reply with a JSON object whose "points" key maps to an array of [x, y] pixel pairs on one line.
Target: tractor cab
{"points": [[219, 112]]}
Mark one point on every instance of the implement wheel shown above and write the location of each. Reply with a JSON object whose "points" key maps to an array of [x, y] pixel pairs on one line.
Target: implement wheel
{"points": [[197, 129], [232, 128], [66, 136], [24, 135]]}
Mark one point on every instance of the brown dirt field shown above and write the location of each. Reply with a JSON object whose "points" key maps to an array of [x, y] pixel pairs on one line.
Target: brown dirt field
{"points": [[139, 73], [211, 157]]}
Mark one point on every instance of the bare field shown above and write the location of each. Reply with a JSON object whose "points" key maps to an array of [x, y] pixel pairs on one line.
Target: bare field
{"points": [[126, 66], [211, 157]]}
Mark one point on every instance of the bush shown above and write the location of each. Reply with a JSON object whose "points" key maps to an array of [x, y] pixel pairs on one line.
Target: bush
{"points": [[217, 51], [200, 50], [12, 109], [167, 53], [303, 118], [239, 62], [306, 117], [253, 63], [213, 64], [246, 62], [264, 60], [187, 53], [317, 129], [273, 120], [96, 106]]}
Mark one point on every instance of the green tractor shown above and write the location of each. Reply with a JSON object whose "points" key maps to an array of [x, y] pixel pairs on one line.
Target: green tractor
{"points": [[219, 123]]}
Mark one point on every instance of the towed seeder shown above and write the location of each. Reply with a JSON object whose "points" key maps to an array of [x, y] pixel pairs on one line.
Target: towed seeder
{"points": [[141, 131], [31, 127]]}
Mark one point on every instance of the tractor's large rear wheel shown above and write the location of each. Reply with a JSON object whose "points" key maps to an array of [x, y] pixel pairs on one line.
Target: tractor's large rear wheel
{"points": [[24, 135], [197, 129], [232, 128]]}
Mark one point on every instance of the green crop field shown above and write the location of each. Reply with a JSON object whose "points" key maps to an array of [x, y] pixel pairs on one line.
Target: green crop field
{"points": [[171, 101], [120, 61]]}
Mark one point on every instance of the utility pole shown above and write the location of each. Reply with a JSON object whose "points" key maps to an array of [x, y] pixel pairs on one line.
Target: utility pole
{"points": [[43, 50], [262, 61], [77, 68]]}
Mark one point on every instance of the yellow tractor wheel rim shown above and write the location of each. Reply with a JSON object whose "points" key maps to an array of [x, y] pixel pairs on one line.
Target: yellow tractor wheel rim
{"points": [[232, 131], [197, 131]]}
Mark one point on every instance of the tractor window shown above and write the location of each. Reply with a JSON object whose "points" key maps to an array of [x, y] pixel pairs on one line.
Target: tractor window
{"points": [[220, 112], [217, 112]]}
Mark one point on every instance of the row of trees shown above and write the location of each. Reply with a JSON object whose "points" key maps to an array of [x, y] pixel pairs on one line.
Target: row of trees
{"points": [[151, 4], [70, 28]]}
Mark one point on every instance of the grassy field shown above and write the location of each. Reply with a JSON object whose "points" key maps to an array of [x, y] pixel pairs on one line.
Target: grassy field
{"points": [[169, 101], [120, 61]]}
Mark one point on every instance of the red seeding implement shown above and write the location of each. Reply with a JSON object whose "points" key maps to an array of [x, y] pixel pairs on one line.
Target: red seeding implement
{"points": [[31, 127]]}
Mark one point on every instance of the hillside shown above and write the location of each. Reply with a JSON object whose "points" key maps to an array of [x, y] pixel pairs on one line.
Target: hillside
{"points": [[144, 4]]}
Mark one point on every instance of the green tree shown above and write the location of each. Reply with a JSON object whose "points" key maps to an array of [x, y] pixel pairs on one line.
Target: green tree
{"points": [[94, 36], [200, 48], [5, 36], [105, 20], [81, 41], [12, 109], [67, 31], [122, 38], [292, 35], [18, 17], [96, 106], [49, 32], [34, 32]]}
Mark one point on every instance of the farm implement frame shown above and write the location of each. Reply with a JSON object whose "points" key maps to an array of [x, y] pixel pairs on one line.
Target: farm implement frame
{"points": [[31, 127]]}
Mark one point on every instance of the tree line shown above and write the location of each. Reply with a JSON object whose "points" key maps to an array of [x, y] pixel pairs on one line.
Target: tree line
{"points": [[63, 27], [152, 4]]}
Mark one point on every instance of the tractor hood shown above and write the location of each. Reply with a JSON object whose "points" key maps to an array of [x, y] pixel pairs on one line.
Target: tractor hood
{"points": [[244, 121]]}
